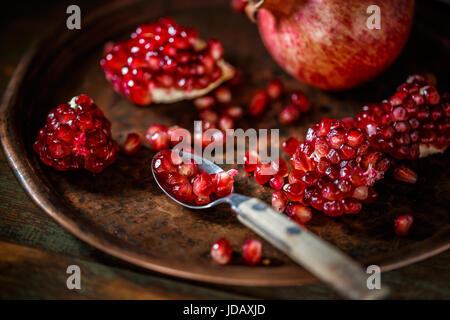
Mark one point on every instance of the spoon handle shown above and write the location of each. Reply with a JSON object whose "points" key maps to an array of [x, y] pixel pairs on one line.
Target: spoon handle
{"points": [[316, 255]]}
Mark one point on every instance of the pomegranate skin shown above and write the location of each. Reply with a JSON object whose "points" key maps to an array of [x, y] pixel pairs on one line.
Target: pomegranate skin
{"points": [[327, 44]]}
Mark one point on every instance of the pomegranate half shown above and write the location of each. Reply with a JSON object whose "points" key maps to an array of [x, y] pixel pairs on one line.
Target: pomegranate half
{"points": [[333, 44]]}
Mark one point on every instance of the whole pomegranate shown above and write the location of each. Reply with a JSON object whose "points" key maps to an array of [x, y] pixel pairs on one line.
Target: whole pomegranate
{"points": [[333, 44]]}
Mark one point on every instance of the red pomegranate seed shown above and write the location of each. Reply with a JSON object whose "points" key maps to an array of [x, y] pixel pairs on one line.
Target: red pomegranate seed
{"points": [[221, 251], [277, 183], [402, 224], [204, 102], [251, 160], [132, 143], [234, 112], [299, 213], [351, 206], [223, 182], [223, 95], [274, 89], [299, 100], [188, 168], [251, 252], [258, 103], [215, 49], [162, 55], [225, 123], [263, 172], [296, 176], [158, 137], [202, 200], [290, 145], [295, 191], [238, 5], [203, 185], [405, 174], [76, 136], [279, 200], [209, 116], [289, 114]]}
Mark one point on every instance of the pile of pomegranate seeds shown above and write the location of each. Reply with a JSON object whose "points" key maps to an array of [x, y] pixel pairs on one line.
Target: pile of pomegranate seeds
{"points": [[187, 183], [164, 62], [402, 224], [76, 136], [221, 251], [413, 123], [275, 171]]}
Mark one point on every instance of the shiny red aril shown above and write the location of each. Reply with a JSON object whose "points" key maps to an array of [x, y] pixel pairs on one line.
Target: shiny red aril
{"points": [[204, 102], [76, 136], [405, 174], [275, 89], [188, 168], [263, 173], [223, 182], [299, 213], [251, 160], [259, 103], [295, 191], [252, 251], [234, 112], [276, 182], [223, 95], [221, 251], [340, 57], [226, 122], [209, 116], [158, 137], [279, 200], [132, 143], [289, 114], [402, 224]]}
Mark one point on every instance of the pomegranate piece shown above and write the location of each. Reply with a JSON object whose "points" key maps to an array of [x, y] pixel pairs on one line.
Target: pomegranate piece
{"points": [[277, 183], [251, 160], [299, 213], [223, 95], [279, 200], [339, 168], [402, 224], [299, 100], [164, 62], [132, 143], [209, 116], [275, 89], [76, 136], [405, 174], [188, 168], [413, 123], [259, 103], [251, 252], [204, 102], [290, 145], [221, 251], [158, 137], [295, 191], [289, 114]]}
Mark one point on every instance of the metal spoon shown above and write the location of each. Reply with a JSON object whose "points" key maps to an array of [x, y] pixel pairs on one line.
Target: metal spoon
{"points": [[316, 255]]}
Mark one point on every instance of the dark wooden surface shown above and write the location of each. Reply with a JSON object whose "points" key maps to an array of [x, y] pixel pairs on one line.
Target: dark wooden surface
{"points": [[34, 251]]}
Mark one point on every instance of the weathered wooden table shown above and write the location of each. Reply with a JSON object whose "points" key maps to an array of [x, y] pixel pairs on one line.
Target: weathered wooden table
{"points": [[35, 251]]}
